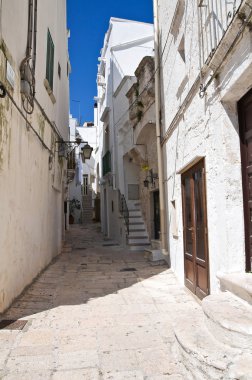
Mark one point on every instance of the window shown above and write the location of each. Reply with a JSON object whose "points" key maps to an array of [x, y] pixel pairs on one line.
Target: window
{"points": [[85, 185], [59, 70], [50, 59]]}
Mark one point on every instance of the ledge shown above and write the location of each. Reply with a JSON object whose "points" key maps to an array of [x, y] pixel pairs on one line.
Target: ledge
{"points": [[49, 91]]}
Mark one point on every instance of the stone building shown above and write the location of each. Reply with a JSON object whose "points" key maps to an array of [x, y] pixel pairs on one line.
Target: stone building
{"points": [[142, 150], [125, 45], [34, 83], [205, 58], [85, 189]]}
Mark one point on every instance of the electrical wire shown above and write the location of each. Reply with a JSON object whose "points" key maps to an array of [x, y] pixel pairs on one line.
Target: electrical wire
{"points": [[53, 126], [28, 122]]}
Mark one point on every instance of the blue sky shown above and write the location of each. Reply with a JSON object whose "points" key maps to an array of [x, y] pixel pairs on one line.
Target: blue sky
{"points": [[88, 22]]}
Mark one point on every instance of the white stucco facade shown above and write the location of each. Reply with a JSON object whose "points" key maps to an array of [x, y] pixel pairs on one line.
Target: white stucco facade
{"points": [[33, 184], [125, 44], [206, 127], [88, 134]]}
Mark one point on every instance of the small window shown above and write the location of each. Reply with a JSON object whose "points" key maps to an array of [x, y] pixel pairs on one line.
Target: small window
{"points": [[59, 70], [85, 185], [50, 59]]}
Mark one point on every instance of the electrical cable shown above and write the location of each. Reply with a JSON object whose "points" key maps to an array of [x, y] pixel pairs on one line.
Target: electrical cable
{"points": [[53, 126], [28, 122]]}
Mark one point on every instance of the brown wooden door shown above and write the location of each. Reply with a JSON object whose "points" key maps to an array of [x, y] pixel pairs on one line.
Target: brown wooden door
{"points": [[156, 215], [245, 122], [195, 230]]}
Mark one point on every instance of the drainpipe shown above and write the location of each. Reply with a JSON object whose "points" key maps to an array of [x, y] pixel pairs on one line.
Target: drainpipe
{"points": [[30, 29], [34, 53], [163, 233]]}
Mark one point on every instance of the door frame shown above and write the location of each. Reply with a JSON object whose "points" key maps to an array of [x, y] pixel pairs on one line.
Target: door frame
{"points": [[194, 287], [154, 193], [245, 185]]}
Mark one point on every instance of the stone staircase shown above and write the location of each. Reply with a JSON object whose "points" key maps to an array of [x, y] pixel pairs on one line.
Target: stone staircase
{"points": [[87, 209], [137, 239], [215, 342]]}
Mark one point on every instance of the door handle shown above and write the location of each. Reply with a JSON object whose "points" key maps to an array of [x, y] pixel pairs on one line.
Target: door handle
{"points": [[191, 229]]}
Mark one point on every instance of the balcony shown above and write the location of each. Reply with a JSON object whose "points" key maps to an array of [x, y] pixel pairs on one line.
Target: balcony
{"points": [[106, 163], [215, 19], [71, 164]]}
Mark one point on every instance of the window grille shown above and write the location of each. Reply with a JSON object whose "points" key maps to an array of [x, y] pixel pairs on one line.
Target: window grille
{"points": [[50, 59], [215, 18]]}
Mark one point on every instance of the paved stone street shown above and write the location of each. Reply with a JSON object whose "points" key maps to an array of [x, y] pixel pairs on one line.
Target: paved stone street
{"points": [[89, 319]]}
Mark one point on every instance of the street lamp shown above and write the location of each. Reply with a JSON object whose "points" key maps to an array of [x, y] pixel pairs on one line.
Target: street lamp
{"points": [[86, 151], [66, 147]]}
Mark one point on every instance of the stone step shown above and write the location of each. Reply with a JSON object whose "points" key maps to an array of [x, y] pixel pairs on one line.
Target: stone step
{"points": [[138, 233], [200, 352], [229, 319], [154, 254], [138, 247], [135, 219], [238, 283], [135, 213], [137, 227], [241, 368], [138, 240]]}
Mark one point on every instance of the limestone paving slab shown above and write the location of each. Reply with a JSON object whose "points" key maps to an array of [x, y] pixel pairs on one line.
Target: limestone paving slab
{"points": [[89, 320]]}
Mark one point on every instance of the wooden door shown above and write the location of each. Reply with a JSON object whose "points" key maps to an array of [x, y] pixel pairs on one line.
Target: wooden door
{"points": [[195, 230], [245, 122], [156, 215]]}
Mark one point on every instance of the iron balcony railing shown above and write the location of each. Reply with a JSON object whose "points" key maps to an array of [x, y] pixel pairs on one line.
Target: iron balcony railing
{"points": [[106, 163], [71, 160], [123, 208], [215, 18]]}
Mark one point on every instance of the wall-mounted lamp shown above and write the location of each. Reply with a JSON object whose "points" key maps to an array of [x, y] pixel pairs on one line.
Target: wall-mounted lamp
{"points": [[86, 152], [66, 147], [152, 177]]}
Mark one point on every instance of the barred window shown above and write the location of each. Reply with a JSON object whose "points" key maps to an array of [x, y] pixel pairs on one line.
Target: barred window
{"points": [[50, 59]]}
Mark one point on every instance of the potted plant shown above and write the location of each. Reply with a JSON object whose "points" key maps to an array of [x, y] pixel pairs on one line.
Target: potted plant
{"points": [[73, 204]]}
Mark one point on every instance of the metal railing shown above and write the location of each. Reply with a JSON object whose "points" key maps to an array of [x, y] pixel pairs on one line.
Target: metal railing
{"points": [[215, 18], [123, 208], [106, 163], [71, 160]]}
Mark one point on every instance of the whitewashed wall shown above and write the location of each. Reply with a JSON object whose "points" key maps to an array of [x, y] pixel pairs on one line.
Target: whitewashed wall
{"points": [[207, 128], [32, 193], [125, 44]]}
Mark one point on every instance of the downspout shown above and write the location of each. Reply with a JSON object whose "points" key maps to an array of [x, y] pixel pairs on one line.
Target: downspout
{"points": [[35, 29], [163, 232], [30, 30]]}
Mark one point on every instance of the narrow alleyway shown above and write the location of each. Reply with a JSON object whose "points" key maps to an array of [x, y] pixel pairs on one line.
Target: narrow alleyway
{"points": [[91, 317]]}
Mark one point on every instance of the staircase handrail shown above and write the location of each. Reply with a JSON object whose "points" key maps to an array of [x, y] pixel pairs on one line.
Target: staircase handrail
{"points": [[124, 210]]}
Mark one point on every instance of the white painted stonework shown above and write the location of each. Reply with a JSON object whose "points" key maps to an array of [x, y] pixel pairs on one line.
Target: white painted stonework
{"points": [[32, 180], [125, 44], [88, 133], [203, 127]]}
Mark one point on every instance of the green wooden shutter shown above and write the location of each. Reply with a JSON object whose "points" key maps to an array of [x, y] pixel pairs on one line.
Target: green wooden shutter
{"points": [[50, 59]]}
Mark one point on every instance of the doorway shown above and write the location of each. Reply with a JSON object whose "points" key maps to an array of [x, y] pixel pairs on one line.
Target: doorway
{"points": [[105, 216], [245, 124], [196, 264], [156, 215]]}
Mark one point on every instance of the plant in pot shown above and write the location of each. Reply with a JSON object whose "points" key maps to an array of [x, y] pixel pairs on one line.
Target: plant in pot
{"points": [[73, 204]]}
